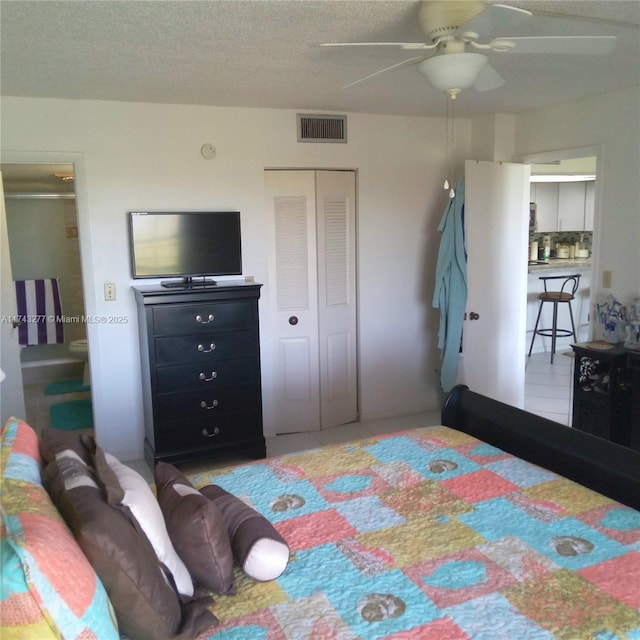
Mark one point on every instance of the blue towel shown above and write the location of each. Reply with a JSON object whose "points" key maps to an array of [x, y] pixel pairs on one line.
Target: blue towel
{"points": [[40, 312]]}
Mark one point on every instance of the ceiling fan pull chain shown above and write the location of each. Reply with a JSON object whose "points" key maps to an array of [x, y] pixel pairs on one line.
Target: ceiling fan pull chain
{"points": [[451, 95], [447, 151]]}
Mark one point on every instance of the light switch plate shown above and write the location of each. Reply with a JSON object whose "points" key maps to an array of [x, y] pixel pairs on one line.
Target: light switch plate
{"points": [[109, 291]]}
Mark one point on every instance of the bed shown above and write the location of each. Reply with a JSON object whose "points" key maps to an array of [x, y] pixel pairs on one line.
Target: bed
{"points": [[497, 524]]}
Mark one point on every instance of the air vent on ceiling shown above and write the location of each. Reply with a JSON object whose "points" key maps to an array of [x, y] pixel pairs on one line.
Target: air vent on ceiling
{"points": [[321, 128]]}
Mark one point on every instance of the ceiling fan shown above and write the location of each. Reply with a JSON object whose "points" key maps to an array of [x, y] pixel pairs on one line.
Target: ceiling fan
{"points": [[460, 33]]}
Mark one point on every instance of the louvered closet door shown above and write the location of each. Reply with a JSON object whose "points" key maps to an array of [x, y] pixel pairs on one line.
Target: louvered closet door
{"points": [[314, 303], [336, 227]]}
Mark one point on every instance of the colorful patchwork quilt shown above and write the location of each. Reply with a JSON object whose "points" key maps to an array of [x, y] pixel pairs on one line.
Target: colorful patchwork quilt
{"points": [[432, 534]]}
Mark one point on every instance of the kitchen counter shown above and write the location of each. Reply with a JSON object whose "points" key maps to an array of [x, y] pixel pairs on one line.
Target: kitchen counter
{"points": [[560, 264]]}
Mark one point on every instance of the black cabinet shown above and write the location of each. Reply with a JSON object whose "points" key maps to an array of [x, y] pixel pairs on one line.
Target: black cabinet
{"points": [[634, 366], [603, 391], [200, 351]]}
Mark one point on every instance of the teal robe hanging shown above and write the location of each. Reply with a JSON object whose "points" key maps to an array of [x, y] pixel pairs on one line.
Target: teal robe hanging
{"points": [[450, 295]]}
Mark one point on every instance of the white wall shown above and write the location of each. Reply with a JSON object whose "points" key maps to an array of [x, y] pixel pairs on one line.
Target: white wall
{"points": [[144, 156], [131, 156], [612, 123]]}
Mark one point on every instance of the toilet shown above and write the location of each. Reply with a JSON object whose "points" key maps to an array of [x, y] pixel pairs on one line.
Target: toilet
{"points": [[80, 349]]}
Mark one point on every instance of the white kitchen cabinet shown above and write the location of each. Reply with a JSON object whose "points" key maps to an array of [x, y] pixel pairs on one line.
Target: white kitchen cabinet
{"points": [[545, 195], [571, 200], [589, 205], [563, 206]]}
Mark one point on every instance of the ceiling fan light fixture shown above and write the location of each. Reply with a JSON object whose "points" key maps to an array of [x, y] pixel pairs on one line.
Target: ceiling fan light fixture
{"points": [[452, 70]]}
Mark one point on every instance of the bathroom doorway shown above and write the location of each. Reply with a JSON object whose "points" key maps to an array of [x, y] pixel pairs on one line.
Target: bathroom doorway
{"points": [[42, 223]]}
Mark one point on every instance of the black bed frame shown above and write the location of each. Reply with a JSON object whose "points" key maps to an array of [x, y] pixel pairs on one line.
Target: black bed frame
{"points": [[603, 466]]}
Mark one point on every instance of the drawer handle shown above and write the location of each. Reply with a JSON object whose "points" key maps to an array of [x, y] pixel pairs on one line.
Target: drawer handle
{"points": [[213, 405], [215, 432], [203, 376], [208, 349], [207, 321]]}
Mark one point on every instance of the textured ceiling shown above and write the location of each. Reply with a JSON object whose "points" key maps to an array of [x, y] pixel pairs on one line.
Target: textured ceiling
{"points": [[265, 54]]}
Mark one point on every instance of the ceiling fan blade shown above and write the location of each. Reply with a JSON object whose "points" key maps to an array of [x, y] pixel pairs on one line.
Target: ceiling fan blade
{"points": [[495, 19], [402, 45], [583, 45], [488, 79], [404, 63]]}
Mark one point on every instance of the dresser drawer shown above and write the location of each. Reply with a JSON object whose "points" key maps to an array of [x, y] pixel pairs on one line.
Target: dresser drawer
{"points": [[207, 433], [184, 319], [223, 373], [205, 348], [212, 404]]}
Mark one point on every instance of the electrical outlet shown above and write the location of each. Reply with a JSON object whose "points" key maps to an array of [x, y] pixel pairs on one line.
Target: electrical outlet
{"points": [[606, 279], [109, 291]]}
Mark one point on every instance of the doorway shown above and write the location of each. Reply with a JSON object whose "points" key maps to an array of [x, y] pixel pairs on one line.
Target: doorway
{"points": [[564, 193], [566, 186], [313, 311], [42, 225]]}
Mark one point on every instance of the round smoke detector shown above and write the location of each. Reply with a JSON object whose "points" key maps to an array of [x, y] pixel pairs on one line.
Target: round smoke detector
{"points": [[208, 151]]}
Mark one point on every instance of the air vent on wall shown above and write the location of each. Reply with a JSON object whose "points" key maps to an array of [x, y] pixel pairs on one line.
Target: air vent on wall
{"points": [[321, 128]]}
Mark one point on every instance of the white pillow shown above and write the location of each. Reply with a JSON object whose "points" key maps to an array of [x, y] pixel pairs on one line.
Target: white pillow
{"points": [[266, 560], [146, 510]]}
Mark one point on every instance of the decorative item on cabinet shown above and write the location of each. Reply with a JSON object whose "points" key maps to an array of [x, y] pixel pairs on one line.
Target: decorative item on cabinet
{"points": [[200, 352], [632, 331], [611, 315]]}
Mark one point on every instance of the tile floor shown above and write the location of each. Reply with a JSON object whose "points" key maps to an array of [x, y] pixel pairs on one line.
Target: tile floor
{"points": [[548, 387], [35, 381]]}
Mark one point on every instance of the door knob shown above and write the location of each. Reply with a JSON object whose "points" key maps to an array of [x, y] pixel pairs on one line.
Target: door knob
{"points": [[293, 320], [473, 315]]}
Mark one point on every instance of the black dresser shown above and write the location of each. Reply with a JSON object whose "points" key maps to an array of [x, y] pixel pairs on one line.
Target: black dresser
{"points": [[200, 352]]}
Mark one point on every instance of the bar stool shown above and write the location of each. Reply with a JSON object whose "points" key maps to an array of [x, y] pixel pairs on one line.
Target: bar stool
{"points": [[566, 294]]}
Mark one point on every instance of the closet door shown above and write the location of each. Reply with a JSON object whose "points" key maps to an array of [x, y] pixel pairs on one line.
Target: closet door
{"points": [[313, 307], [336, 227], [294, 307]]}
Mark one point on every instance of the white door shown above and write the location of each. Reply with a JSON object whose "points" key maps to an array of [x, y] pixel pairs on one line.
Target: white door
{"points": [[313, 308], [496, 227], [11, 392], [336, 229]]}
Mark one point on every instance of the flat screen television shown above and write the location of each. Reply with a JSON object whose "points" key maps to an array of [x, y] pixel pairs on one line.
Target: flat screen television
{"points": [[189, 246]]}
